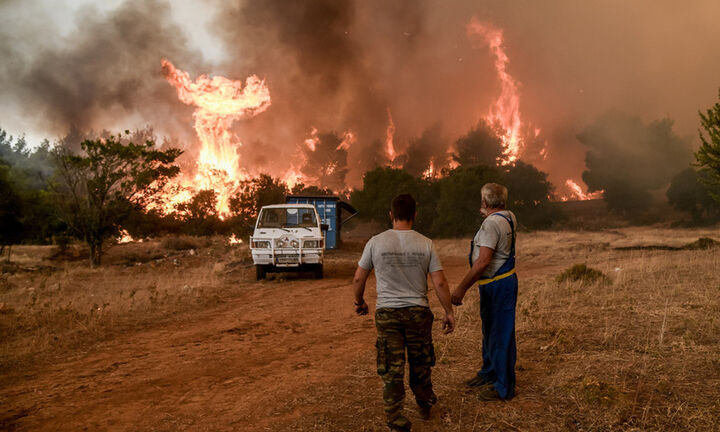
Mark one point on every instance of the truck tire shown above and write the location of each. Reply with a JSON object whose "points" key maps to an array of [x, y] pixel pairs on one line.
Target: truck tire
{"points": [[318, 273], [260, 272]]}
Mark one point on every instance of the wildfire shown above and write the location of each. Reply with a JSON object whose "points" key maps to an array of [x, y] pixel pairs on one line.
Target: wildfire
{"points": [[576, 193], [311, 142], [233, 239], [505, 112], [430, 172], [219, 101], [125, 237], [347, 141], [389, 135]]}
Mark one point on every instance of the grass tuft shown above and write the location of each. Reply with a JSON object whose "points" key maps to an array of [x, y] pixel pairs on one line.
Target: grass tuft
{"points": [[702, 243], [582, 273]]}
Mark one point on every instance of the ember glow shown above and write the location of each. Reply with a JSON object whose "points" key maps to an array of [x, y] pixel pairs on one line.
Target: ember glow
{"points": [[125, 237], [219, 102], [505, 112], [577, 193]]}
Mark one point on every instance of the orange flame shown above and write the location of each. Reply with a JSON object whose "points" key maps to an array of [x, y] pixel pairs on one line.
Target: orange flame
{"points": [[219, 101], [389, 135], [430, 172], [506, 110], [577, 194], [347, 141], [311, 142], [125, 237]]}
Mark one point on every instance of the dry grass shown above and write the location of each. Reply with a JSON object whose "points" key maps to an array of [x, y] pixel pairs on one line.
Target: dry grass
{"points": [[51, 307], [636, 352]]}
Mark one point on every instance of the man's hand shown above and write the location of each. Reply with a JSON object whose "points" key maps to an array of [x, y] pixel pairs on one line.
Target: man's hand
{"points": [[457, 295], [448, 323], [361, 275], [362, 308]]}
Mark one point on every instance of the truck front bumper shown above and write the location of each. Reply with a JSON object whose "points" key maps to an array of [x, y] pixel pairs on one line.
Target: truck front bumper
{"points": [[287, 257]]}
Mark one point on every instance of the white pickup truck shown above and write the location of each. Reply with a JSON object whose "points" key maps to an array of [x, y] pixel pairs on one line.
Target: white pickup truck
{"points": [[288, 237]]}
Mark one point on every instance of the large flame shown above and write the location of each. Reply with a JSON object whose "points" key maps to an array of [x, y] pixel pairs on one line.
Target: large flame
{"points": [[389, 136], [505, 112], [219, 101], [577, 194]]}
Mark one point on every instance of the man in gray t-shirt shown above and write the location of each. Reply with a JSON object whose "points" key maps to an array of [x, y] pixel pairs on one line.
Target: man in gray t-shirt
{"points": [[402, 260]]}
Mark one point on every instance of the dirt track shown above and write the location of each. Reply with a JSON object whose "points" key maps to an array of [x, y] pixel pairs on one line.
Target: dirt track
{"points": [[280, 354]]}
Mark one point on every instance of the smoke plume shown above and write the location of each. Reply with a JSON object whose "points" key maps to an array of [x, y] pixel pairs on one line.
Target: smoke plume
{"points": [[348, 66]]}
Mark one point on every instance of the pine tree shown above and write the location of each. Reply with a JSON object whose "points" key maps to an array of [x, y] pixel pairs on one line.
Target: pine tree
{"points": [[708, 156]]}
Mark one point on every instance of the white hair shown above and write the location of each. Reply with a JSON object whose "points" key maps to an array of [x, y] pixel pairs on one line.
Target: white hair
{"points": [[495, 195]]}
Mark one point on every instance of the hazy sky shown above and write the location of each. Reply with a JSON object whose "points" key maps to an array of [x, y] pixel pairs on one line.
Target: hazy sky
{"points": [[342, 65]]}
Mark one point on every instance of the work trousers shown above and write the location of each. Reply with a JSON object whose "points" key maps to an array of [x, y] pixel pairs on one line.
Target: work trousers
{"points": [[497, 309], [400, 329]]}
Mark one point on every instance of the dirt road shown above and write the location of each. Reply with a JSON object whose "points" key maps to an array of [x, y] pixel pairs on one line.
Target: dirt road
{"points": [[281, 355]]}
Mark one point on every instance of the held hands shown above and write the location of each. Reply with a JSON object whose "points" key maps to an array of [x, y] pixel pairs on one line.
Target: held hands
{"points": [[448, 323], [457, 296], [361, 308]]}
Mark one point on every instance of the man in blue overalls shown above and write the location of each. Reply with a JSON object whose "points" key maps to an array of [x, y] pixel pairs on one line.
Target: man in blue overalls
{"points": [[492, 261]]}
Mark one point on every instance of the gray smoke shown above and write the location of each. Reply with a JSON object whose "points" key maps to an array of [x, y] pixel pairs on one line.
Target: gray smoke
{"points": [[106, 70], [343, 65]]}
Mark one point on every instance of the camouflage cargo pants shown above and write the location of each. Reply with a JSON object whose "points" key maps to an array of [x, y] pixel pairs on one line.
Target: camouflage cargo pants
{"points": [[400, 329]]}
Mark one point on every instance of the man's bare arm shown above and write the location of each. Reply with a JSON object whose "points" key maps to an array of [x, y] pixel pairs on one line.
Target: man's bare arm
{"points": [[472, 275], [359, 280], [442, 290]]}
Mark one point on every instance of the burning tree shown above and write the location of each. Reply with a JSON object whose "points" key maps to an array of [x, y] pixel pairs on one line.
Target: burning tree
{"points": [[97, 190]]}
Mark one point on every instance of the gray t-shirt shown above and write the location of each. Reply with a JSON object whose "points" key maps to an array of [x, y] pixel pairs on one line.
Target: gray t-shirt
{"points": [[495, 233], [402, 260]]}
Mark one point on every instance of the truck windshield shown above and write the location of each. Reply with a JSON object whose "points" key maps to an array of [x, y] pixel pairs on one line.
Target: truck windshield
{"points": [[287, 218]]}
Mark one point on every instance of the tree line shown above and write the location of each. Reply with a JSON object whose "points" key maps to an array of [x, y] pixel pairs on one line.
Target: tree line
{"points": [[50, 194]]}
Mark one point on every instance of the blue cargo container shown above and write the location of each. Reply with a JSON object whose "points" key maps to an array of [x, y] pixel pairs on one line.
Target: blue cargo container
{"points": [[330, 210]]}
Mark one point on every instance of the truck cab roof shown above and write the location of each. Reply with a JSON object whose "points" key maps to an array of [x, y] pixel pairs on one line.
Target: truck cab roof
{"points": [[289, 206]]}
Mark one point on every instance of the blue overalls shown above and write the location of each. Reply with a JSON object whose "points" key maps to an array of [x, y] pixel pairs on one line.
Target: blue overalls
{"points": [[498, 297]]}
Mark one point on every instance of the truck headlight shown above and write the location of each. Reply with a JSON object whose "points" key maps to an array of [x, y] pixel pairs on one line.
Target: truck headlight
{"points": [[260, 244], [279, 243], [312, 244], [294, 244]]}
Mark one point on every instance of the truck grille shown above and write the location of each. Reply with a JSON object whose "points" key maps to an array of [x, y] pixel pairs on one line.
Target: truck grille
{"points": [[287, 259]]}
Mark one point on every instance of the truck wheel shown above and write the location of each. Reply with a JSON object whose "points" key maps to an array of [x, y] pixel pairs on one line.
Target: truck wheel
{"points": [[260, 272], [318, 271]]}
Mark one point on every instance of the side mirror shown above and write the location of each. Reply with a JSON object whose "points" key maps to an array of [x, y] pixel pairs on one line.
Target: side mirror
{"points": [[324, 227]]}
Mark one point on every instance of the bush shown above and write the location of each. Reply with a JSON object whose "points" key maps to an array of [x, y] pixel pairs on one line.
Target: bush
{"points": [[458, 200], [702, 243], [582, 273], [689, 193], [528, 195]]}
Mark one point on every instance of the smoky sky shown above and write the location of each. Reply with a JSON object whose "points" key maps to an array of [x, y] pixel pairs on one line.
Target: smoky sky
{"points": [[344, 65]]}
